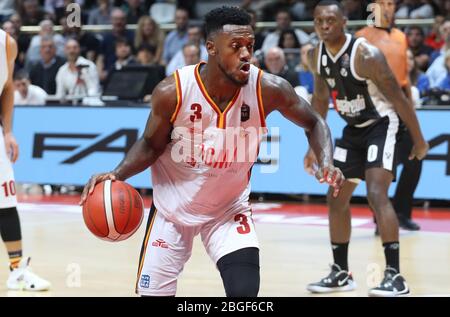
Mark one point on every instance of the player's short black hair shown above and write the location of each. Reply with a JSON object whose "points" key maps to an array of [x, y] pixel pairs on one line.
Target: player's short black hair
{"points": [[217, 18], [324, 3], [21, 74]]}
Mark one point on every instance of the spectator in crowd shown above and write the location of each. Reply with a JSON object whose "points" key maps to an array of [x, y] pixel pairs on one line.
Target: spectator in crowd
{"points": [[437, 71], [46, 29], [149, 33], [259, 36], [101, 14], [7, 8], [108, 56], [89, 43], [444, 84], [134, 10], [22, 40], [43, 72], [283, 20], [56, 9], [422, 52], [195, 36], [434, 38], [355, 9], [419, 81], [124, 56], [305, 76], [31, 12], [25, 93], [145, 55], [415, 9], [275, 63], [444, 31], [177, 38], [78, 77], [10, 28], [291, 46]]}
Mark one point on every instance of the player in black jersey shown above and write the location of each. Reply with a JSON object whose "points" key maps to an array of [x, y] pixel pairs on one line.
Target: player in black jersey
{"points": [[367, 96]]}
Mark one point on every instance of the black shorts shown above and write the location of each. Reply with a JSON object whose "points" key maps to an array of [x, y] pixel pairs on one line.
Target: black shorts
{"points": [[364, 148]]}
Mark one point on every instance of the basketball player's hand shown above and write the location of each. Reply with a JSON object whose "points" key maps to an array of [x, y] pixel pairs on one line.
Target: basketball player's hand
{"points": [[332, 176], [95, 179], [310, 163], [12, 149], [419, 151]]}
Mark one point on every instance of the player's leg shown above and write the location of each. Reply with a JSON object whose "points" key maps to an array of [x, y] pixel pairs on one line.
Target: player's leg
{"points": [[379, 174], [165, 249], [232, 244], [339, 279], [407, 184], [20, 278]]}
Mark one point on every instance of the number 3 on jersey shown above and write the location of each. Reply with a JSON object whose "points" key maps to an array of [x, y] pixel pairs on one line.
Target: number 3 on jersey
{"points": [[244, 227], [197, 112]]}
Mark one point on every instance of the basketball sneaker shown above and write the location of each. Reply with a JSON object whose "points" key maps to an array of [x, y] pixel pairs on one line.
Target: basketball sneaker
{"points": [[23, 279], [337, 281], [393, 284]]}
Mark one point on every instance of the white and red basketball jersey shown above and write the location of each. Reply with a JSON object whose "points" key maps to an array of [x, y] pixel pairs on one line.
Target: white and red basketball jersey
{"points": [[204, 172]]}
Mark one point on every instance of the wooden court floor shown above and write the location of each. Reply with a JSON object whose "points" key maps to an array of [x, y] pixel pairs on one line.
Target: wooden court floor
{"points": [[294, 252]]}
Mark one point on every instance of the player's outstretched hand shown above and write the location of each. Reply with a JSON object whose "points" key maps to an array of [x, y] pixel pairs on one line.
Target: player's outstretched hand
{"points": [[419, 151], [332, 176], [95, 179]]}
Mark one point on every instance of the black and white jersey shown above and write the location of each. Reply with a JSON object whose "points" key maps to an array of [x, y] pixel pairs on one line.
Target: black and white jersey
{"points": [[356, 99]]}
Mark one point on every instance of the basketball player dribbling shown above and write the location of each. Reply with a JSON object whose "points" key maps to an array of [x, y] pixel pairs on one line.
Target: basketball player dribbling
{"points": [[367, 96], [21, 277], [207, 193]]}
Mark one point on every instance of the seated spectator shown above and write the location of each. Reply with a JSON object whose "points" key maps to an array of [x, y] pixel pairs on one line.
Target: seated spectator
{"points": [[434, 38], [422, 52], [43, 72], [7, 8], [124, 56], [89, 43], [259, 36], [101, 14], [31, 12], [275, 63], [134, 10], [107, 57], [146, 55], [444, 32], [355, 9], [46, 30], [437, 71], [195, 36], [283, 20], [444, 84], [25, 93], [417, 78], [415, 9], [149, 33], [176, 38], [78, 77], [305, 76], [291, 46], [191, 56]]}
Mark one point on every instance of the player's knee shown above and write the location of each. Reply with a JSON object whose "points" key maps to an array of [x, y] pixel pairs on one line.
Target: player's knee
{"points": [[240, 272], [336, 204], [377, 198], [10, 225]]}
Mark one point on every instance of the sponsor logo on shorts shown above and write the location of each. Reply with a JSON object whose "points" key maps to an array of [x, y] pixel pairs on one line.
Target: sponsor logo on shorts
{"points": [[160, 243], [145, 281]]}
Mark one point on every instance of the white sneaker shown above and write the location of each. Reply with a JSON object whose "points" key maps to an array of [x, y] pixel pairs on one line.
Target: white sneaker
{"points": [[23, 279]]}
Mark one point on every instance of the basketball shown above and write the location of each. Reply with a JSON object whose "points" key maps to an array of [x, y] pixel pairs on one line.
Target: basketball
{"points": [[114, 211]]}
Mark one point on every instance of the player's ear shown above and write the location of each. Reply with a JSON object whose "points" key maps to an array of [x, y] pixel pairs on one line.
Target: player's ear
{"points": [[211, 48]]}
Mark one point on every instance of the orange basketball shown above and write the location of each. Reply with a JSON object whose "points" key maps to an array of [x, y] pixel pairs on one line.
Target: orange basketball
{"points": [[114, 211]]}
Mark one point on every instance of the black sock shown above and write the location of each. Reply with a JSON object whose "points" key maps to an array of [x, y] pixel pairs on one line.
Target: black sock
{"points": [[392, 254], [340, 254]]}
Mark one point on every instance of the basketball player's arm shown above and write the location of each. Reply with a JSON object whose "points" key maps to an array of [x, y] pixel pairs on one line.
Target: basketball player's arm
{"points": [[278, 94], [320, 101], [7, 102], [151, 145], [370, 63]]}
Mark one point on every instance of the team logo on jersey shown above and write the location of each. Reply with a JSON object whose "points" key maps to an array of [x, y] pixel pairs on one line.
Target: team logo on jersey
{"points": [[331, 82], [327, 70], [145, 281], [344, 72], [245, 112], [345, 61], [324, 60], [160, 243]]}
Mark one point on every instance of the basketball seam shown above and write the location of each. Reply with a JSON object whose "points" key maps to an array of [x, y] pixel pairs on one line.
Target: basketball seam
{"points": [[112, 212], [131, 208]]}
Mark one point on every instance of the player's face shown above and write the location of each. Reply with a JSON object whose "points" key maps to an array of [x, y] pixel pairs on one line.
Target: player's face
{"points": [[329, 22], [233, 50]]}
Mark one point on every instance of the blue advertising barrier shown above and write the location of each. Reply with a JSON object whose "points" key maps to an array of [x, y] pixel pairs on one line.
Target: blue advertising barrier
{"points": [[66, 145]]}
